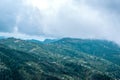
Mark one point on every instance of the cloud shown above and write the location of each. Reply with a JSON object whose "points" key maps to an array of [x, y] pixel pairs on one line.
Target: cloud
{"points": [[18, 14], [78, 20], [24, 36], [30, 22], [8, 12], [62, 18]]}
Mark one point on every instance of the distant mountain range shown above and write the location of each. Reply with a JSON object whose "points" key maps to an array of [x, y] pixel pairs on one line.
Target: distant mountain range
{"points": [[63, 59]]}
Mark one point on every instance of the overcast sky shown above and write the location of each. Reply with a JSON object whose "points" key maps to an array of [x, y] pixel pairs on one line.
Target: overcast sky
{"points": [[39, 19]]}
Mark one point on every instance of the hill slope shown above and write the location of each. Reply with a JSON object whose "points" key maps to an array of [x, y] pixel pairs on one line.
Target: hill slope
{"points": [[65, 59]]}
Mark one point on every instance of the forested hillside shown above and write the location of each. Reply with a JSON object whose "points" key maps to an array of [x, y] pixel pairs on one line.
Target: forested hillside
{"points": [[64, 59]]}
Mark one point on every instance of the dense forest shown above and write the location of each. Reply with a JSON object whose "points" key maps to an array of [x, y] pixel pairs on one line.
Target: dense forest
{"points": [[63, 59]]}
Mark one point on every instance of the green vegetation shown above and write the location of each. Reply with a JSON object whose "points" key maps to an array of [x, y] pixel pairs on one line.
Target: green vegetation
{"points": [[65, 59]]}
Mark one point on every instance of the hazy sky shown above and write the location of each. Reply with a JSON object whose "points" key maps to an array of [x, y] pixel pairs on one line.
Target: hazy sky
{"points": [[60, 18]]}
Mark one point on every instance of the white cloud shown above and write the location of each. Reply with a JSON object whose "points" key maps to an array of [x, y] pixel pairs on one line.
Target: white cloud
{"points": [[23, 36], [69, 18]]}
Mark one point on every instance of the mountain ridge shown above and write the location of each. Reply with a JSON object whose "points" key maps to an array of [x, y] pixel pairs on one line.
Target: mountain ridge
{"points": [[59, 60]]}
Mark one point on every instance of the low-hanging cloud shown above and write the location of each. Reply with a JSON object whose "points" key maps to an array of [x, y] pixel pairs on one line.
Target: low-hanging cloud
{"points": [[62, 18]]}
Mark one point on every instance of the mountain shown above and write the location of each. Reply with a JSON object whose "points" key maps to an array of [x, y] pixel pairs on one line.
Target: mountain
{"points": [[46, 41], [64, 59], [35, 41], [101, 48]]}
